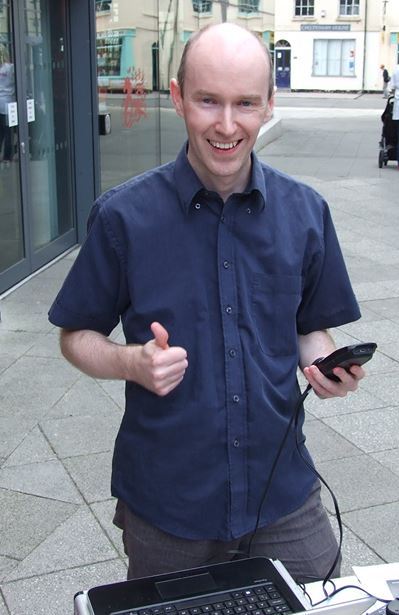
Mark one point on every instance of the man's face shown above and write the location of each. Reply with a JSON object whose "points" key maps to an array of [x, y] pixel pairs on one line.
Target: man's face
{"points": [[224, 105]]}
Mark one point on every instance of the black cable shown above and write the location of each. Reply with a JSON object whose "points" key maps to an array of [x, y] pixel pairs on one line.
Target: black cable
{"points": [[297, 408]]}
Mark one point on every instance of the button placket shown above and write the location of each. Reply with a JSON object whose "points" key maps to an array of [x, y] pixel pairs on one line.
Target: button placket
{"points": [[235, 411]]}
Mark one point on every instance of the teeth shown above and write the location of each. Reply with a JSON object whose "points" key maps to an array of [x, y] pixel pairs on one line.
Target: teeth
{"points": [[219, 145]]}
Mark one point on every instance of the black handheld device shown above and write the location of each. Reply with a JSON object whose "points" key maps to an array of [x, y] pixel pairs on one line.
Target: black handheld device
{"points": [[357, 354]]}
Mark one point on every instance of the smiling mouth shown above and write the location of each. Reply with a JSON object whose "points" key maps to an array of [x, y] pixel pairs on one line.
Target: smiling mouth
{"points": [[224, 146]]}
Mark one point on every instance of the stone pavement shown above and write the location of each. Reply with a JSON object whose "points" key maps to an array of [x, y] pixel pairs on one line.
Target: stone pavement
{"points": [[57, 426]]}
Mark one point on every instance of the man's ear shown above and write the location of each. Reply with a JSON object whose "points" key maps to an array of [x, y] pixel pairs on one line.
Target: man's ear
{"points": [[177, 98]]}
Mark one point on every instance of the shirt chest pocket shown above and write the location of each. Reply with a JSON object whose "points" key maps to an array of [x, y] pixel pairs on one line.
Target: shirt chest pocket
{"points": [[274, 302]]}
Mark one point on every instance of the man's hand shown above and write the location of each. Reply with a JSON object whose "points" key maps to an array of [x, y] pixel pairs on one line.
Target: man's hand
{"points": [[325, 387], [159, 367]]}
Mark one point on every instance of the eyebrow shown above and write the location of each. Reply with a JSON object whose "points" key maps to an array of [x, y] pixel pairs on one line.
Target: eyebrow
{"points": [[254, 97]]}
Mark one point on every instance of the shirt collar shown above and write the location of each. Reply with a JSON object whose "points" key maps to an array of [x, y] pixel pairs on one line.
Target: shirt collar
{"points": [[188, 184]]}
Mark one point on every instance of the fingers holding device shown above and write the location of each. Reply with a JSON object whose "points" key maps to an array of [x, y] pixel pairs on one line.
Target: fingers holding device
{"points": [[345, 357]]}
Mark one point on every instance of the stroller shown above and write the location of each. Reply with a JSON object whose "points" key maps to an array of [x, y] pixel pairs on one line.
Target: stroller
{"points": [[388, 143]]}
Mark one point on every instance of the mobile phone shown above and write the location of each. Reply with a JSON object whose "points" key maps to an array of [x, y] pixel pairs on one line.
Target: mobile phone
{"points": [[357, 354]]}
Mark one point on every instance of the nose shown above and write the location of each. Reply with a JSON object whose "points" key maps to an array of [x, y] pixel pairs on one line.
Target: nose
{"points": [[226, 121]]}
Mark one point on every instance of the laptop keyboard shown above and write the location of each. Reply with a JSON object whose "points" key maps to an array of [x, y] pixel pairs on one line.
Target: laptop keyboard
{"points": [[259, 600]]}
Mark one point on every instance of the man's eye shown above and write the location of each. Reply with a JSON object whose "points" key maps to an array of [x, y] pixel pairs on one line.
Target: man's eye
{"points": [[246, 103], [208, 101]]}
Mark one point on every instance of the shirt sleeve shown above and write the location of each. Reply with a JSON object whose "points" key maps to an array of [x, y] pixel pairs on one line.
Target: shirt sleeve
{"points": [[328, 299], [94, 294]]}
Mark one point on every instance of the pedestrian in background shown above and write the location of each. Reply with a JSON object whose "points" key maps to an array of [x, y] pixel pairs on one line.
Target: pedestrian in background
{"points": [[226, 275], [395, 110], [385, 81]]}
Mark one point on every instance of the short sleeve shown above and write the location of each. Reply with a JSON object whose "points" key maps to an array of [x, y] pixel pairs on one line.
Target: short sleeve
{"points": [[328, 299], [94, 294]]}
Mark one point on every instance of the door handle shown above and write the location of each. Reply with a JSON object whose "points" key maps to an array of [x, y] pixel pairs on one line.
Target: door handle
{"points": [[22, 147]]}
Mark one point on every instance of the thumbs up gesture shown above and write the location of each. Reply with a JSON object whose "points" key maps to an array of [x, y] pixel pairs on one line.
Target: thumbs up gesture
{"points": [[160, 367]]}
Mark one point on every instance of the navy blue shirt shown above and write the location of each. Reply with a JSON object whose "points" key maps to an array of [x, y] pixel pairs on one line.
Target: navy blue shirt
{"points": [[234, 284]]}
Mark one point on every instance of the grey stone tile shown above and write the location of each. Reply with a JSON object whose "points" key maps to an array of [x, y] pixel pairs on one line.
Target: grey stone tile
{"points": [[5, 362], [81, 435], [382, 332], [354, 551], [104, 512], [13, 430], [368, 291], [371, 431], [33, 386], [33, 449], [358, 482], [92, 475], [384, 386], [325, 443], [18, 317], [3, 610], [47, 345], [53, 594], [78, 541], [378, 526], [27, 520], [389, 459], [6, 564], [16, 343], [116, 391], [47, 479], [358, 401], [385, 308], [85, 398]]}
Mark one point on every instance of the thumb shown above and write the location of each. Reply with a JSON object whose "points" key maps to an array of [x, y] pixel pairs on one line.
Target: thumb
{"points": [[160, 334]]}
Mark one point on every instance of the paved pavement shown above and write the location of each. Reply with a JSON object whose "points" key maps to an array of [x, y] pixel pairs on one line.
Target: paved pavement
{"points": [[57, 426]]}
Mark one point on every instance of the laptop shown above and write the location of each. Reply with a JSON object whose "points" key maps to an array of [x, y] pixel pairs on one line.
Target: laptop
{"points": [[251, 586]]}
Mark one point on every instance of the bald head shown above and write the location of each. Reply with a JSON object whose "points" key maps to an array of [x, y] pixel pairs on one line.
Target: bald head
{"points": [[222, 37]]}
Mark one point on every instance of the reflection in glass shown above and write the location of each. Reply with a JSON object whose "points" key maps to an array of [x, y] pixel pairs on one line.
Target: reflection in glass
{"points": [[47, 115], [138, 52], [128, 88], [11, 235]]}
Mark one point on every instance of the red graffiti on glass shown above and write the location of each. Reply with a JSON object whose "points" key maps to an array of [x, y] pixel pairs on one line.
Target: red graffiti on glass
{"points": [[134, 105]]}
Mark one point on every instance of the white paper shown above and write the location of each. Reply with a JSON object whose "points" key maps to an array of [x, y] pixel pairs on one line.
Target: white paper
{"points": [[379, 579]]}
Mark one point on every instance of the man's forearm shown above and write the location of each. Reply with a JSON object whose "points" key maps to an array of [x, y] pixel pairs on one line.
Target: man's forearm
{"points": [[314, 345], [96, 355]]}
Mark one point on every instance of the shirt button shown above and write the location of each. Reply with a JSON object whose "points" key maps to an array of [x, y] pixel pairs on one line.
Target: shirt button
{"points": [[222, 218], [232, 352], [236, 399], [197, 206], [249, 210], [229, 309], [236, 443], [226, 264]]}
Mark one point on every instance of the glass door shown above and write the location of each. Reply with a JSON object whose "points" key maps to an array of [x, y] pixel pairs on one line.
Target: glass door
{"points": [[38, 175], [11, 227]]}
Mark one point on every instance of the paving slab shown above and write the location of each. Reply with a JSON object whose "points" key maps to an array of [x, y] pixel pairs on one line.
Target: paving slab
{"points": [[378, 525], [52, 594], [92, 475]]}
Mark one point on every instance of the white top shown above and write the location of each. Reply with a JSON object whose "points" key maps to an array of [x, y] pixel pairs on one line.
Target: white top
{"points": [[394, 84]]}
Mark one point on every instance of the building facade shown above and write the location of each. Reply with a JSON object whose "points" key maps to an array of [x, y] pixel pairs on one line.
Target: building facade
{"points": [[84, 105], [84, 95], [335, 45]]}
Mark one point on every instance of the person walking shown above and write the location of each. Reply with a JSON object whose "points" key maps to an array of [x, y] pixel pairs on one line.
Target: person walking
{"points": [[226, 275], [385, 81]]}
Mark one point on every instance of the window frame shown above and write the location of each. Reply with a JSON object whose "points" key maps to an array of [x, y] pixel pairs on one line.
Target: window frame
{"points": [[345, 5], [328, 60], [248, 7], [305, 8], [202, 6]]}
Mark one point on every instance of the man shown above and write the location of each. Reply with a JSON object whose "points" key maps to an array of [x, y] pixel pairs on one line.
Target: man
{"points": [[385, 81], [226, 275]]}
